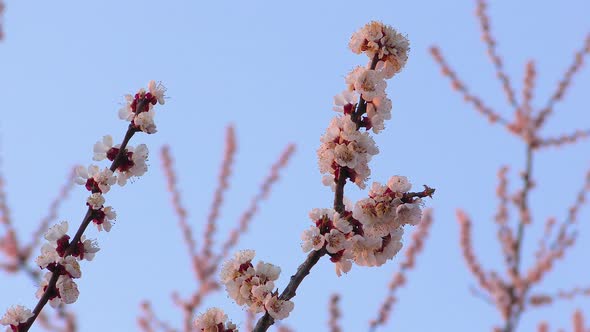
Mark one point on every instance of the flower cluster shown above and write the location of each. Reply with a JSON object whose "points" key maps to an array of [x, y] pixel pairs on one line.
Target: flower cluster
{"points": [[15, 316], [132, 162], [57, 260], [371, 233], [139, 108], [343, 146], [60, 255], [253, 286], [384, 43], [214, 320], [345, 151]]}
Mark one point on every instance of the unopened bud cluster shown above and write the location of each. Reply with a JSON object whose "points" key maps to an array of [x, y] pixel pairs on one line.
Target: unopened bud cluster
{"points": [[254, 286], [371, 233]]}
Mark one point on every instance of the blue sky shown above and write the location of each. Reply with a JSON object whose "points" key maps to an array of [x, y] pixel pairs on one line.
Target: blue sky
{"points": [[271, 69]]}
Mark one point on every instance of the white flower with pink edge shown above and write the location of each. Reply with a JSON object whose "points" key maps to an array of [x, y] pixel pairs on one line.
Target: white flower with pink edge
{"points": [[16, 315]]}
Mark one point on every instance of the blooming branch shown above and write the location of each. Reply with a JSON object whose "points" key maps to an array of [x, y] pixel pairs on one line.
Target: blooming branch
{"points": [[370, 233], [60, 255]]}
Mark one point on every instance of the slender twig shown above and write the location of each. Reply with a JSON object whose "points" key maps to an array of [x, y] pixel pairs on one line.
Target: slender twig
{"points": [[484, 22], [564, 84], [517, 295], [223, 184], [458, 85]]}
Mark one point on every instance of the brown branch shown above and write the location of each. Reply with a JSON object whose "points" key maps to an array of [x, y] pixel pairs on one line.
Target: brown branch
{"points": [[149, 322], [517, 290], [562, 236], [187, 233], [334, 314], [523, 123], [562, 140], [523, 205], [564, 84], [527, 91], [505, 233], [548, 230], [484, 23], [460, 87], [538, 300], [223, 184], [467, 250]]}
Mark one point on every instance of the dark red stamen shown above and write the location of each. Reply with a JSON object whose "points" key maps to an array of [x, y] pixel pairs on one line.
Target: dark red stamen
{"points": [[92, 186], [98, 216], [78, 250], [348, 109], [112, 153], [62, 245]]}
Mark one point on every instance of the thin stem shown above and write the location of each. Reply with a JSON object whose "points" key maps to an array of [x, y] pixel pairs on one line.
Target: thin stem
{"points": [[523, 206], [516, 300]]}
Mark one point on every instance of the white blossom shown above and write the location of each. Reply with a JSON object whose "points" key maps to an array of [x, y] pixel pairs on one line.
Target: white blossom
{"points": [[157, 90], [267, 271], [71, 265], [344, 264], [145, 122], [409, 213], [93, 177], [342, 224], [336, 241], [346, 101], [399, 184], [212, 319], [344, 146], [231, 268], [278, 309], [125, 112], [68, 290], [368, 83], [16, 315], [56, 232], [48, 255], [134, 166], [105, 222], [102, 147], [90, 248], [364, 248], [95, 201], [382, 41], [312, 239]]}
